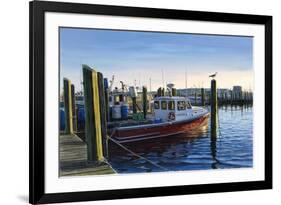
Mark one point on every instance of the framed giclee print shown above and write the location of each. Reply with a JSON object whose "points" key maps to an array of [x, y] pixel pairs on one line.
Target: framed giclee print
{"points": [[139, 102]]}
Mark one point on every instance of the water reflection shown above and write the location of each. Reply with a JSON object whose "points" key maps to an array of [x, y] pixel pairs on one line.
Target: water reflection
{"points": [[213, 146], [160, 146], [230, 147]]}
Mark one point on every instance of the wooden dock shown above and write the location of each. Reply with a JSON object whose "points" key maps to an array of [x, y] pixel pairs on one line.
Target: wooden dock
{"points": [[73, 158]]}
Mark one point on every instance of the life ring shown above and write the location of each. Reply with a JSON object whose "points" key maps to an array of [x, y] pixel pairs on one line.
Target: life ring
{"points": [[172, 116]]}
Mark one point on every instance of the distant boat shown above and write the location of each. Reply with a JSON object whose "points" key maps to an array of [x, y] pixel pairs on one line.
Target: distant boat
{"points": [[173, 115]]}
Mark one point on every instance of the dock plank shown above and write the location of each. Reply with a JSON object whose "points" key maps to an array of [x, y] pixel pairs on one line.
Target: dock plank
{"points": [[73, 158]]}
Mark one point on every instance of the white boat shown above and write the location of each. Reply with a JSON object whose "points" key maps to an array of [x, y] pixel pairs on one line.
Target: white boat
{"points": [[172, 115]]}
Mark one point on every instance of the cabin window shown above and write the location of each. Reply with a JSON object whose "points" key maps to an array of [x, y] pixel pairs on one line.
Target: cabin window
{"points": [[188, 105], [164, 105], [181, 105], [156, 105], [171, 105]]}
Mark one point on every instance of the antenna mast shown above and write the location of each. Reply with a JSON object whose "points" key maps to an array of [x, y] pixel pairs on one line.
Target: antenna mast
{"points": [[150, 85]]}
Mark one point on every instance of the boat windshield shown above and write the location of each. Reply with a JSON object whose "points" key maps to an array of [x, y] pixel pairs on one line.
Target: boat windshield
{"points": [[181, 105], [156, 105], [164, 105], [188, 105], [171, 105]]}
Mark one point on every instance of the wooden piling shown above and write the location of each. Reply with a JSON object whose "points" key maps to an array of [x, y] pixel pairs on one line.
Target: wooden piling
{"points": [[214, 108], [239, 100], [174, 92], [93, 133], [74, 113], [163, 92], [144, 101], [231, 97], [68, 106], [213, 146], [226, 98], [220, 100], [202, 97], [103, 113], [106, 96], [159, 92], [134, 103]]}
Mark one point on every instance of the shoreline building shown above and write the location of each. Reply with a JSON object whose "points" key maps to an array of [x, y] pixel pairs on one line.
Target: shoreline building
{"points": [[237, 92]]}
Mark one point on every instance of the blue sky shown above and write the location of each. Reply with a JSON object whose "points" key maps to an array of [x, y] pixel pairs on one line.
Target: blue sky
{"points": [[138, 56]]}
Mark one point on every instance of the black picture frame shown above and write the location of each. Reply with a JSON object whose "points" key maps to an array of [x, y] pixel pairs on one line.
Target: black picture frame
{"points": [[37, 10]]}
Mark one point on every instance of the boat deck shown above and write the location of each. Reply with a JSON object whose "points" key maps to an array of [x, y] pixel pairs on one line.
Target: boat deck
{"points": [[129, 122], [73, 158]]}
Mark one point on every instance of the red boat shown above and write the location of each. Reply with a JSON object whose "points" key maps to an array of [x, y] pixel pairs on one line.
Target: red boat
{"points": [[172, 116]]}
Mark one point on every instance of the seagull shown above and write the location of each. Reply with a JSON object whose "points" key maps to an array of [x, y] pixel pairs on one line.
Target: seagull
{"points": [[213, 76]]}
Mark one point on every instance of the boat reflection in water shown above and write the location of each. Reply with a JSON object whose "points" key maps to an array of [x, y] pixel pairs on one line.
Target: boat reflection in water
{"points": [[194, 150]]}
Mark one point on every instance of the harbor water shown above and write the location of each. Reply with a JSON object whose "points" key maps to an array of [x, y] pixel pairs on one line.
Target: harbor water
{"points": [[197, 150]]}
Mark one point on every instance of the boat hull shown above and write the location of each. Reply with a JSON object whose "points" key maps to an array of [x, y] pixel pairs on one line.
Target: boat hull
{"points": [[136, 133]]}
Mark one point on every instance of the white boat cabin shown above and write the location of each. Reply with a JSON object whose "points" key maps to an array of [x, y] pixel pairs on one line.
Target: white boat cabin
{"points": [[175, 108]]}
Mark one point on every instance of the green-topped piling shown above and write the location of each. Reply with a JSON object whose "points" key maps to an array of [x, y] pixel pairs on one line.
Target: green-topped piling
{"points": [[159, 92], [93, 131], [74, 112], [68, 106], [106, 98], [174, 92], [202, 97], [134, 104], [103, 113], [163, 92], [144, 101]]}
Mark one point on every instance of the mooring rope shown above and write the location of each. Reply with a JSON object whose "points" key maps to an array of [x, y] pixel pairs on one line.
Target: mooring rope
{"points": [[133, 153]]}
